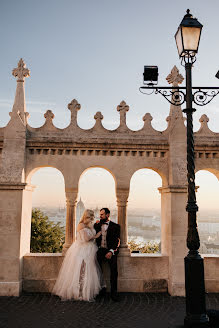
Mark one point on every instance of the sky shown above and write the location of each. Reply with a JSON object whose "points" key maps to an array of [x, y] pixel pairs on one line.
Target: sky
{"points": [[95, 51]]}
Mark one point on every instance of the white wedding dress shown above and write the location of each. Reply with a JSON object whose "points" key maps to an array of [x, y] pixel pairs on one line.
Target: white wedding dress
{"points": [[80, 276]]}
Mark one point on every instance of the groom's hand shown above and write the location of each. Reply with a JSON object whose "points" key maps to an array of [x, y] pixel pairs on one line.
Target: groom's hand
{"points": [[108, 255]]}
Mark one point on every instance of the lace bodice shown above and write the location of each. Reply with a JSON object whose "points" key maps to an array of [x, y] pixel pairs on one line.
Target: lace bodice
{"points": [[84, 235]]}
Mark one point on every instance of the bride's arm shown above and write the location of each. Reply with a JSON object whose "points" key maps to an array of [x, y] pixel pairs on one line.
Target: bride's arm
{"points": [[97, 235], [87, 233]]}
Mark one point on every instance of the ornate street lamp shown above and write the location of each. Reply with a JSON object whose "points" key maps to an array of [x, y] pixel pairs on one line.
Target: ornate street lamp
{"points": [[187, 40], [188, 36]]}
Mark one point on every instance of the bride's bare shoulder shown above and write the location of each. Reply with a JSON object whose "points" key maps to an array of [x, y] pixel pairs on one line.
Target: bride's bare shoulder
{"points": [[80, 226]]}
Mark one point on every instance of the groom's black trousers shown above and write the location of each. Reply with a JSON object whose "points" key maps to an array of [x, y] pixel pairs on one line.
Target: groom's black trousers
{"points": [[113, 267]]}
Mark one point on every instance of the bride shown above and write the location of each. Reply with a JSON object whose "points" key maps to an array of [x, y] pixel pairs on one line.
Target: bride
{"points": [[80, 275]]}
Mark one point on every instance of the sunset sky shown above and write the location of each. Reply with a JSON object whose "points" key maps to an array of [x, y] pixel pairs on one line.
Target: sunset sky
{"points": [[95, 51]]}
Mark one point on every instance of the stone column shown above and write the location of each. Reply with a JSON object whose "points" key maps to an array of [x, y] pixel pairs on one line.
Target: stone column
{"points": [[173, 235], [122, 200], [70, 229]]}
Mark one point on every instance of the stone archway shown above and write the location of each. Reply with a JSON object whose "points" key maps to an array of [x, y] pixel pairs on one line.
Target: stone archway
{"points": [[97, 189], [208, 213], [144, 207]]}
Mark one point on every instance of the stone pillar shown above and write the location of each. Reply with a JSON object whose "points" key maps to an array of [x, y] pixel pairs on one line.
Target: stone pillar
{"points": [[70, 229], [122, 200], [15, 194], [15, 230], [174, 194], [173, 235]]}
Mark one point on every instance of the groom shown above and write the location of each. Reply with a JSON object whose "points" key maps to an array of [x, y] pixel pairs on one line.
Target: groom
{"points": [[108, 246]]}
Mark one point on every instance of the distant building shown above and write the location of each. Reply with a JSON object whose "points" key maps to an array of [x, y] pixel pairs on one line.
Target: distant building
{"points": [[79, 210]]}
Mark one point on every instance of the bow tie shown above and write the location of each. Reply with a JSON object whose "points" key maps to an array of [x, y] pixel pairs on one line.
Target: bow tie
{"points": [[107, 223]]}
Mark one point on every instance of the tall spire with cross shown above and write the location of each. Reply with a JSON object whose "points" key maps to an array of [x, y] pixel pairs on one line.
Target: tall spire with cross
{"points": [[19, 107]]}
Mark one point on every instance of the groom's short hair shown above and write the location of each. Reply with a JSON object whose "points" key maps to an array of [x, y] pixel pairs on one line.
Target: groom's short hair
{"points": [[107, 211]]}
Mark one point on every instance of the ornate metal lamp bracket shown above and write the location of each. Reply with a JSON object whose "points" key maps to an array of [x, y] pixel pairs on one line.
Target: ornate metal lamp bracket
{"points": [[174, 97], [202, 98], [177, 95]]}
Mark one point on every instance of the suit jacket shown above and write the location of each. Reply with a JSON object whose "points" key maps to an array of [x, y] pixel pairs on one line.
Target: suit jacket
{"points": [[112, 236]]}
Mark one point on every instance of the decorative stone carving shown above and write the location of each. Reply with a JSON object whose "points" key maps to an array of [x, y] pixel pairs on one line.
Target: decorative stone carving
{"points": [[204, 129], [147, 118], [175, 78], [98, 125], [48, 125], [21, 71], [204, 120], [123, 108], [98, 116], [49, 116], [122, 198], [74, 106]]}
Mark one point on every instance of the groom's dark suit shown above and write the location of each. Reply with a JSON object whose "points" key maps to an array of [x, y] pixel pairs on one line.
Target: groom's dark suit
{"points": [[113, 242]]}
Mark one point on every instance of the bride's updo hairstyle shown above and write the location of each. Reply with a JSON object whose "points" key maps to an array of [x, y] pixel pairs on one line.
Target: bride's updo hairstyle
{"points": [[87, 217]]}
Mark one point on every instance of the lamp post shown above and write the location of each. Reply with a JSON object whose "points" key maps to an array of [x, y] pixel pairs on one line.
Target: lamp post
{"points": [[187, 40]]}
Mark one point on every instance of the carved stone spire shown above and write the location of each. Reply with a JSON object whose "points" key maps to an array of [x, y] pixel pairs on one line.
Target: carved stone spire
{"points": [[123, 108], [98, 117], [204, 129], [147, 118], [74, 106], [19, 107], [175, 78], [21, 71], [49, 116]]}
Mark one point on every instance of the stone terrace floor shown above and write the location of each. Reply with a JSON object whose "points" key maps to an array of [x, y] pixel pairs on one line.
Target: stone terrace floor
{"points": [[41, 310]]}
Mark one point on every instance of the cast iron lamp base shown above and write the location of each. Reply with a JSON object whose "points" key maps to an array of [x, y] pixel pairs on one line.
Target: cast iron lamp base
{"points": [[195, 291]]}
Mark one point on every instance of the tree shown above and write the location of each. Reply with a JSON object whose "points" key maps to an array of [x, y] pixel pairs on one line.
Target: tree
{"points": [[46, 236]]}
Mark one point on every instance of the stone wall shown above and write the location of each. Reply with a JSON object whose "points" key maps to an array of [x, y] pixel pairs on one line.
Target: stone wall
{"points": [[137, 273]]}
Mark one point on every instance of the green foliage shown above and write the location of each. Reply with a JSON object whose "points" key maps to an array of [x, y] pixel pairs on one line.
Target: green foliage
{"points": [[46, 236], [144, 248]]}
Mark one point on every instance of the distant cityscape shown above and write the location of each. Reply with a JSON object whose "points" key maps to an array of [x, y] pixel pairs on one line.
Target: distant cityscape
{"points": [[146, 227]]}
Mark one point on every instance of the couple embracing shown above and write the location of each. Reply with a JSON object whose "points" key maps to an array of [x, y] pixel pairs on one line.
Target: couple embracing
{"points": [[81, 276]]}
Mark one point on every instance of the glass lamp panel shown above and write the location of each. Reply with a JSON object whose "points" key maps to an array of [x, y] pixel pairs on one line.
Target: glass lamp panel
{"points": [[191, 37], [179, 44]]}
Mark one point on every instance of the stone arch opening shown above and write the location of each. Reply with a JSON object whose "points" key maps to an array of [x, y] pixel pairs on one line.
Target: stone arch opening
{"points": [[49, 195], [144, 209], [208, 214], [96, 189]]}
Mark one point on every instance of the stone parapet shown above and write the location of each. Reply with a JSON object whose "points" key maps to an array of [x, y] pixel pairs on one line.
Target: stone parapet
{"points": [[147, 273]]}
